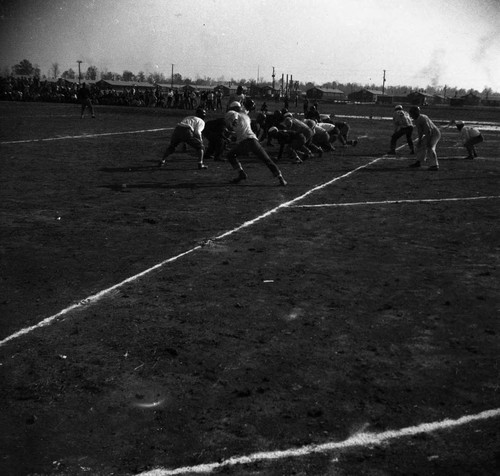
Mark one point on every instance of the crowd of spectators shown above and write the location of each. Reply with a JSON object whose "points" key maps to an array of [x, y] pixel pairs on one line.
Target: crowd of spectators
{"points": [[32, 88], [27, 88]]}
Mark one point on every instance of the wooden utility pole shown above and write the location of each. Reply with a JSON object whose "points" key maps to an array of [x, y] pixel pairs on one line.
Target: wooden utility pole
{"points": [[79, 72]]}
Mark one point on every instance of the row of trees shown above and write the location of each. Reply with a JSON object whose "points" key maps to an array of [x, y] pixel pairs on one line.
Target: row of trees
{"points": [[25, 68]]}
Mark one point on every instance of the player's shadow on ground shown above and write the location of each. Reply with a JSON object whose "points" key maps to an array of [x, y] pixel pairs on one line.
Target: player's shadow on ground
{"points": [[138, 168], [128, 187], [164, 186], [454, 159]]}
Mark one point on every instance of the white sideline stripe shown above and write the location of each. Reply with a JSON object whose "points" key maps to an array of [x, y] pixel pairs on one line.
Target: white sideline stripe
{"points": [[358, 440], [390, 202], [85, 136], [95, 297]]}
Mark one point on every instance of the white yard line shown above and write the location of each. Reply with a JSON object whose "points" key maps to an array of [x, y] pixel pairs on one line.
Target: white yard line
{"points": [[98, 296], [85, 136], [357, 440], [390, 202]]}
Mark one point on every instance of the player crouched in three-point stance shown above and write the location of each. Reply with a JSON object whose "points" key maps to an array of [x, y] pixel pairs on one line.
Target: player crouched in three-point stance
{"points": [[295, 141], [428, 137], [291, 123], [188, 131], [246, 142], [320, 138], [338, 130]]}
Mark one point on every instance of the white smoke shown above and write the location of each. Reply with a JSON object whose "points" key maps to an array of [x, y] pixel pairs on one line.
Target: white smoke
{"points": [[434, 70]]}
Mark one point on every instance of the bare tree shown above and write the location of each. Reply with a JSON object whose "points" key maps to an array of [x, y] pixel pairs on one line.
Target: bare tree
{"points": [[91, 73], [54, 70], [155, 78], [25, 68], [69, 74], [487, 92], [109, 75]]}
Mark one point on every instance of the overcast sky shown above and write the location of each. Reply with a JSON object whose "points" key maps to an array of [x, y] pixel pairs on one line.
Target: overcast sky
{"points": [[417, 42]]}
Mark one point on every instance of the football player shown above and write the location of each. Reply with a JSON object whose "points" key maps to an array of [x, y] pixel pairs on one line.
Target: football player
{"points": [[189, 131], [246, 142]]}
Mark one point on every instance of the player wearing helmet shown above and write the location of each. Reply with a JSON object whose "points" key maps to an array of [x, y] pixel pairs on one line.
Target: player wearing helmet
{"points": [[295, 140], [338, 130], [428, 135], [313, 114], [249, 104], [239, 97], [320, 138], [265, 121], [246, 142], [217, 135], [189, 131], [471, 136], [403, 126], [234, 106], [294, 124]]}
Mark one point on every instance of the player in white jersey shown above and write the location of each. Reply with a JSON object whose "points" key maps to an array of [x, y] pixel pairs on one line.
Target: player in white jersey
{"points": [[403, 126], [470, 136], [188, 131], [428, 136], [246, 142]]}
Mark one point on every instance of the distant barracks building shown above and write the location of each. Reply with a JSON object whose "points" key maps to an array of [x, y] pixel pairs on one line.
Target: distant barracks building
{"points": [[326, 94], [365, 95]]}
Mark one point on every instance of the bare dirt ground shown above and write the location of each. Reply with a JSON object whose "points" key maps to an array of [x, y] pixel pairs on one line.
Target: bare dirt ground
{"points": [[368, 303]]}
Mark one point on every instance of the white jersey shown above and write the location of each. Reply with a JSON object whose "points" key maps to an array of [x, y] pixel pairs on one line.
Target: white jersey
{"points": [[401, 119], [327, 126], [468, 133], [240, 123], [194, 123], [426, 127]]}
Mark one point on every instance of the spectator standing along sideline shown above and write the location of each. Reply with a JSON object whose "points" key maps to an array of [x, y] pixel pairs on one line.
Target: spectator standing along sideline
{"points": [[85, 100]]}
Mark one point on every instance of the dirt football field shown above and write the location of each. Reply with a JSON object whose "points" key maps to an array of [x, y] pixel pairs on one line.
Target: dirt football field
{"points": [[164, 321]]}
